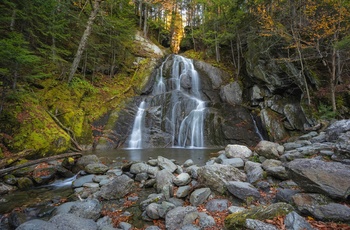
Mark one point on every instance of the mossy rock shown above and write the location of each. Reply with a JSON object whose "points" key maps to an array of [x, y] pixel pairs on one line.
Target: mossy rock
{"points": [[38, 131], [10, 179], [237, 220], [24, 183]]}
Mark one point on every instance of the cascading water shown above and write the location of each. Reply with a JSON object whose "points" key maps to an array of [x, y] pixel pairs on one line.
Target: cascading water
{"points": [[136, 135], [179, 109]]}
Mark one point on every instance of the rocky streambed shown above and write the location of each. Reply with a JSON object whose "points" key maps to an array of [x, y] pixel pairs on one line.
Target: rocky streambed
{"points": [[302, 184]]}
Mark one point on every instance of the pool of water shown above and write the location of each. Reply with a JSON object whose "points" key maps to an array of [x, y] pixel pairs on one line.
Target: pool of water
{"points": [[199, 155]]}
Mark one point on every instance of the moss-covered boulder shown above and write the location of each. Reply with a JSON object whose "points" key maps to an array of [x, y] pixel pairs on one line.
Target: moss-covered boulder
{"points": [[24, 183], [37, 131], [237, 220]]}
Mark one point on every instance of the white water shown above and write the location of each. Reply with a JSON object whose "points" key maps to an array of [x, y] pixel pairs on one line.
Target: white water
{"points": [[181, 113], [136, 135], [190, 133], [257, 131]]}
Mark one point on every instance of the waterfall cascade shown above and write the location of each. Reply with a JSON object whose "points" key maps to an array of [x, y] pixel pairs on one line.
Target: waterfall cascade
{"points": [[136, 135], [180, 109]]}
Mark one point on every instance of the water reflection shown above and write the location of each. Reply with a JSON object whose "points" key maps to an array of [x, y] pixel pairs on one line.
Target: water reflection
{"points": [[199, 155]]}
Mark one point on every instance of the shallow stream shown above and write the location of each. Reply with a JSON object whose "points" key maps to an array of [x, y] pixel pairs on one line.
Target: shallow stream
{"points": [[39, 202]]}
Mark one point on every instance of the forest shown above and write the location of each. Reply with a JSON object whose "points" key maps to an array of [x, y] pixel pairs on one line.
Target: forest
{"points": [[65, 63]]}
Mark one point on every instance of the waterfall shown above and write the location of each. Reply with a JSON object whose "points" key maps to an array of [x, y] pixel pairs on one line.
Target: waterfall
{"points": [[176, 107], [186, 80], [257, 131], [136, 135]]}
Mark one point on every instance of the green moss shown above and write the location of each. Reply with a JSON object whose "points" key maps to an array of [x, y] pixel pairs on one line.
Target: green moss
{"points": [[237, 220], [38, 131]]}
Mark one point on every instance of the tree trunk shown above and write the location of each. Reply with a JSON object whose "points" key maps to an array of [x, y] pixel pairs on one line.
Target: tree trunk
{"points": [[84, 39], [333, 80], [10, 169], [145, 21]]}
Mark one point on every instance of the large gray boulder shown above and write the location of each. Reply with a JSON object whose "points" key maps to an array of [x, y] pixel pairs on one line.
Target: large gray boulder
{"points": [[337, 128], [167, 164], [116, 188], [180, 216], [216, 176], [268, 149], [89, 209], [231, 93], [254, 171], [37, 224], [199, 196], [321, 207], [164, 180], [275, 168], [294, 221], [83, 161], [238, 151], [329, 178], [242, 190], [73, 222]]}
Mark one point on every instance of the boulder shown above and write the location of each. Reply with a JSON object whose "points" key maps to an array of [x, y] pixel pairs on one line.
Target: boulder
{"points": [[216, 176], [152, 211], [89, 209], [183, 191], [167, 164], [231, 93], [206, 221], [275, 168], [164, 180], [71, 221], [83, 161], [43, 175], [258, 224], [180, 216], [116, 188], [242, 190], [182, 179], [238, 151], [254, 171], [5, 188], [294, 221], [330, 178], [24, 183], [237, 220], [37, 224], [96, 168], [235, 162], [268, 149], [305, 203], [217, 205], [332, 212], [199, 196], [334, 130], [82, 180]]}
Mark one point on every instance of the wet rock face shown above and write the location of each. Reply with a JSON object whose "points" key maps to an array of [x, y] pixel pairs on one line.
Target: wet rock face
{"points": [[225, 120]]}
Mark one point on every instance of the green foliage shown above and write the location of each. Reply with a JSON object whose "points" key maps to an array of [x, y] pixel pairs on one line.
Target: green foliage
{"points": [[343, 44], [326, 112]]}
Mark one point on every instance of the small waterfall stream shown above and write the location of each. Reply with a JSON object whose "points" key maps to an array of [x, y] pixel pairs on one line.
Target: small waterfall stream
{"points": [[180, 108], [136, 135]]}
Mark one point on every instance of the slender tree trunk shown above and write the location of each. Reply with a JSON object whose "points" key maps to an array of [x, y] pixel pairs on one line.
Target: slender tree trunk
{"points": [[297, 41], [145, 21], [84, 39], [140, 14], [333, 80], [13, 19], [239, 50]]}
